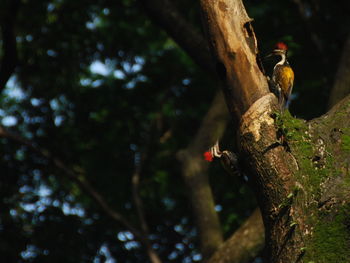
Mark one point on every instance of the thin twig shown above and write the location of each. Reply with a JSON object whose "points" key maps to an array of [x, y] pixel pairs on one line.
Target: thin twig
{"points": [[135, 193], [139, 208]]}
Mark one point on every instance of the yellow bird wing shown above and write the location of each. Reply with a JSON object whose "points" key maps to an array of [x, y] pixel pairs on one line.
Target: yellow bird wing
{"points": [[284, 77]]}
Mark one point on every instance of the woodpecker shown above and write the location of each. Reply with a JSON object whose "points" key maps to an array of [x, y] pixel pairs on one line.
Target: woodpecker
{"points": [[229, 160], [282, 75]]}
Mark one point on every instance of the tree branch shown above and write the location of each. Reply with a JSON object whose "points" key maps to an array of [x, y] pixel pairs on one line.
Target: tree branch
{"points": [[194, 172], [341, 86], [81, 181], [232, 39], [244, 244], [165, 14], [135, 180]]}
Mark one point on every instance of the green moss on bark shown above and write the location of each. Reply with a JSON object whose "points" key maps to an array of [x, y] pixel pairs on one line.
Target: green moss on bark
{"points": [[345, 142], [328, 238], [330, 242], [313, 168]]}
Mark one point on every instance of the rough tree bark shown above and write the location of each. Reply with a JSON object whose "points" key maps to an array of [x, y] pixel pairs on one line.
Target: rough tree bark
{"points": [[299, 170], [233, 43]]}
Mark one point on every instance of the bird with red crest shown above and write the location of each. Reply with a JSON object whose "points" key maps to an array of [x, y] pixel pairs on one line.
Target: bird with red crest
{"points": [[282, 76]]}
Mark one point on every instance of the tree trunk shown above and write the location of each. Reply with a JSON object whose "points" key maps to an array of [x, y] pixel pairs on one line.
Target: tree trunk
{"points": [[341, 86], [299, 170]]}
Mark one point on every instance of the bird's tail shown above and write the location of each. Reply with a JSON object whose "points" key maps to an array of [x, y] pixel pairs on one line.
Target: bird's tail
{"points": [[282, 101]]}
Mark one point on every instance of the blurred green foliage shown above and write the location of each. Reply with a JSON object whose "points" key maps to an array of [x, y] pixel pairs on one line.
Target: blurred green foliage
{"points": [[98, 84]]}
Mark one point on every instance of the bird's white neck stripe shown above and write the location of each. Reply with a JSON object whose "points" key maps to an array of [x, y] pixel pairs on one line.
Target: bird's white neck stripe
{"points": [[283, 59]]}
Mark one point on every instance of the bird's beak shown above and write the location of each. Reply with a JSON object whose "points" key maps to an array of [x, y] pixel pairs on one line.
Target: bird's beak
{"points": [[269, 56], [273, 53]]}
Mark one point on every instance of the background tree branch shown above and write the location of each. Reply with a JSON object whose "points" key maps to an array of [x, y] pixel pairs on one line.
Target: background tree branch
{"points": [[245, 244], [165, 14], [341, 86], [194, 172], [135, 182]]}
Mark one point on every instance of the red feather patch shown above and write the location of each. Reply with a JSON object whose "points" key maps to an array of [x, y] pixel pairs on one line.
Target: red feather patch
{"points": [[208, 156], [281, 45]]}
